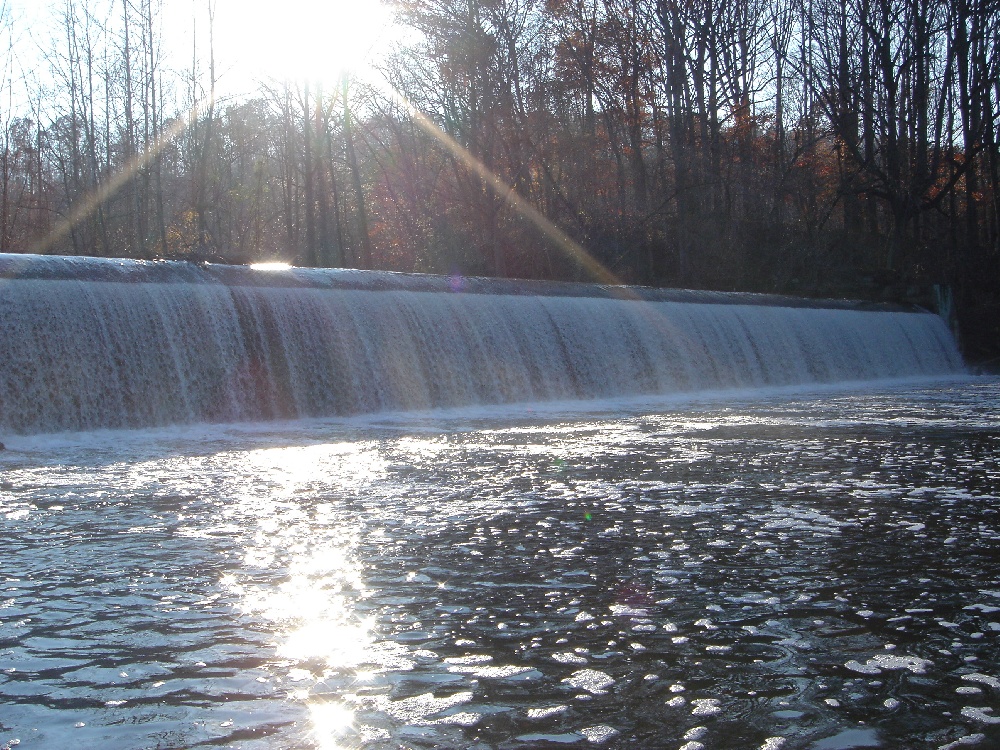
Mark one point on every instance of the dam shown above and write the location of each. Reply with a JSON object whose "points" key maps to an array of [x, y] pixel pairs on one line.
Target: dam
{"points": [[110, 344]]}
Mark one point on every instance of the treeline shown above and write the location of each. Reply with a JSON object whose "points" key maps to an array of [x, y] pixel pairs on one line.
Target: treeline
{"points": [[820, 147]]}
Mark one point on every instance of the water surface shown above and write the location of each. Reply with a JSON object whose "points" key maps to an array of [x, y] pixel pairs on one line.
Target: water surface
{"points": [[794, 570]]}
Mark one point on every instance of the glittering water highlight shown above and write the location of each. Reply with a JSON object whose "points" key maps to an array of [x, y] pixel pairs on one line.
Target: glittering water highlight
{"points": [[785, 571]]}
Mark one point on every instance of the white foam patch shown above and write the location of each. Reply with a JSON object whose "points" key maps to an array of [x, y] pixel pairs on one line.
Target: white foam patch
{"points": [[855, 666], [462, 719], [623, 610], [544, 713], [695, 733], [705, 707], [599, 733], [568, 657], [414, 710], [876, 664], [470, 659], [500, 673], [591, 680], [969, 739], [982, 679], [983, 715]]}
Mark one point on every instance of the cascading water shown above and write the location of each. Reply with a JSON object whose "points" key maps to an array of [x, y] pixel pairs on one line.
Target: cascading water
{"points": [[93, 343]]}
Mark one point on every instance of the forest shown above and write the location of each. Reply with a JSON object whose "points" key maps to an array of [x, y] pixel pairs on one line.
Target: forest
{"points": [[833, 148]]}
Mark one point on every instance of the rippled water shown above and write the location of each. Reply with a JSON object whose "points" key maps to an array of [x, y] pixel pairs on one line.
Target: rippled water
{"points": [[790, 571]]}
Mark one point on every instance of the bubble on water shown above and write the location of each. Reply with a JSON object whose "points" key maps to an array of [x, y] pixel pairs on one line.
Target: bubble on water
{"points": [[876, 664], [369, 734], [567, 657], [543, 713], [624, 610], [694, 745], [462, 719], [676, 701], [968, 690], [980, 714], [414, 709], [967, 740], [986, 609], [599, 733], [505, 672], [890, 703], [982, 679], [773, 743], [591, 680], [856, 666], [469, 659], [695, 733], [705, 706]]}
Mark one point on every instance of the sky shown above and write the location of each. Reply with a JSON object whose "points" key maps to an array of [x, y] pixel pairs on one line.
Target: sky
{"points": [[254, 40]]}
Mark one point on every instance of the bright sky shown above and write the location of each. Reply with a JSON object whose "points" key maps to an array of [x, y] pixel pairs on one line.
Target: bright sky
{"points": [[297, 39], [255, 40]]}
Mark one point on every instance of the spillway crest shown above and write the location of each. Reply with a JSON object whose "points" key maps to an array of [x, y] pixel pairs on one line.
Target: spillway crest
{"points": [[96, 343]]}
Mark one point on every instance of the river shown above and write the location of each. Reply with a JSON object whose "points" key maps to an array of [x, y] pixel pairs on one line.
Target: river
{"points": [[779, 569]]}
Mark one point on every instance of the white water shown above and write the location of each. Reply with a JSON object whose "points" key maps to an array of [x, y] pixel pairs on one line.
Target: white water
{"points": [[88, 353]]}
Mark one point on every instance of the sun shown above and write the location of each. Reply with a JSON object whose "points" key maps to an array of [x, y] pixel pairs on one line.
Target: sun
{"points": [[302, 40]]}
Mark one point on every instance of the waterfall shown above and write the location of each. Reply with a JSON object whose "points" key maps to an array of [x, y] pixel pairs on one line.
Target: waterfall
{"points": [[97, 343]]}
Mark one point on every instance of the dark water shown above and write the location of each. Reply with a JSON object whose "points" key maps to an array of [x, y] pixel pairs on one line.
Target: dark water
{"points": [[791, 571]]}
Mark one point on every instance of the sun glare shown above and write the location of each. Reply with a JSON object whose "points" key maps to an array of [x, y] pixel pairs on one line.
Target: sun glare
{"points": [[330, 721], [270, 266], [308, 40]]}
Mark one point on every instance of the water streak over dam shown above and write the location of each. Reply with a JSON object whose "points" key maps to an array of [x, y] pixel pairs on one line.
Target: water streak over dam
{"points": [[96, 343]]}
